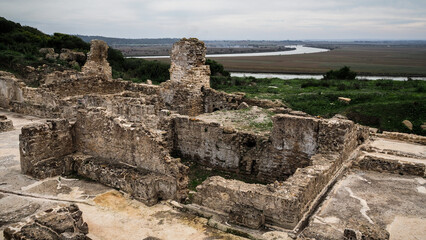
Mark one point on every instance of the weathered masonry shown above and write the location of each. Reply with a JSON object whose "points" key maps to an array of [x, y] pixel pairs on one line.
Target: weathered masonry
{"points": [[134, 137]]}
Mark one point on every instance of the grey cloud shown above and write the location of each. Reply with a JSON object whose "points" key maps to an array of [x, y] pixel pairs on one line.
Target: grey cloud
{"points": [[224, 19]]}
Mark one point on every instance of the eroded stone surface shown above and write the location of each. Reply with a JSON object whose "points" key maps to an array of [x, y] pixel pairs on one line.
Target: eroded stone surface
{"points": [[369, 203], [5, 124], [97, 63], [59, 223]]}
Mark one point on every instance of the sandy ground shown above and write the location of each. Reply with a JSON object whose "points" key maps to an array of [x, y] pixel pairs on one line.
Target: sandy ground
{"points": [[109, 213]]}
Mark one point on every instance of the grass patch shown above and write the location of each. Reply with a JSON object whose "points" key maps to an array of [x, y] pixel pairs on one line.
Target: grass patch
{"points": [[382, 104], [199, 173]]}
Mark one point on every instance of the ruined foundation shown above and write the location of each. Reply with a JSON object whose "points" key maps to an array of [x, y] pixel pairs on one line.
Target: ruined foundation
{"points": [[134, 137]]}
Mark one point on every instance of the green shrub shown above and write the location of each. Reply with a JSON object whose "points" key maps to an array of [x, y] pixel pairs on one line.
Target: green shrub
{"points": [[217, 69], [344, 73]]}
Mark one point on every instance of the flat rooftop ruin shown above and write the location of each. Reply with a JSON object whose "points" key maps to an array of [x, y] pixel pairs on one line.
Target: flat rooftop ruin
{"points": [[146, 140]]}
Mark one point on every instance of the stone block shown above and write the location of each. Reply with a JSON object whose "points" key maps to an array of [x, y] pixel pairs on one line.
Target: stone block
{"points": [[5, 124], [60, 223], [247, 216]]}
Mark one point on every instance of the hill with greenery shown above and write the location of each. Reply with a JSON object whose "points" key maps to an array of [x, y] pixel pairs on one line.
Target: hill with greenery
{"points": [[19, 48]]}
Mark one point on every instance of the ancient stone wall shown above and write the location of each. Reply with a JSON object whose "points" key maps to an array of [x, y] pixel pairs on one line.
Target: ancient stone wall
{"points": [[97, 64], [100, 134], [300, 137], [282, 204], [85, 85], [110, 150], [389, 165], [145, 186], [309, 150], [10, 89], [188, 76], [188, 63], [403, 137], [43, 148], [217, 146], [214, 100], [293, 141]]}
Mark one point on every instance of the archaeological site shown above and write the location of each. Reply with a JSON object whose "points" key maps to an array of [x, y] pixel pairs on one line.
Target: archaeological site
{"points": [[86, 156]]}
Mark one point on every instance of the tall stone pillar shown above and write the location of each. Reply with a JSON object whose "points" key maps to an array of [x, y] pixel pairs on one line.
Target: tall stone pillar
{"points": [[97, 63], [188, 60], [188, 75]]}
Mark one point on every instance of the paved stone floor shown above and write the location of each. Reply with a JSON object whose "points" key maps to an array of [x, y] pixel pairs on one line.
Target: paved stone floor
{"points": [[109, 213], [394, 202]]}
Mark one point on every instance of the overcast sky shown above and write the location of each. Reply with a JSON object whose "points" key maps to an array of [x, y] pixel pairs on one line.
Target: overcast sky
{"points": [[225, 19]]}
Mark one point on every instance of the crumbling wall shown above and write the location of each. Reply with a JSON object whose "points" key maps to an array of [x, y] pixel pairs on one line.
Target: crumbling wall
{"points": [[300, 137], [188, 76], [106, 149], [403, 137], [309, 150], [188, 63], [146, 186], [97, 64], [85, 85], [10, 89], [282, 204], [99, 134], [292, 142], [214, 100], [43, 148], [217, 146]]}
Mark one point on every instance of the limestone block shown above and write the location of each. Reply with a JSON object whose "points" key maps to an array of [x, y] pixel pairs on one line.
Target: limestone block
{"points": [[247, 216], [43, 148], [60, 223], [5, 124]]}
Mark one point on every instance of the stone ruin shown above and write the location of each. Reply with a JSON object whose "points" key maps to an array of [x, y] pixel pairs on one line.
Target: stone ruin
{"points": [[5, 124], [137, 138], [62, 222]]}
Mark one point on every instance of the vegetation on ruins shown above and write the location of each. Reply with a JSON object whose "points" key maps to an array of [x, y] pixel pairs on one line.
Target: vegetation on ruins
{"points": [[383, 104]]}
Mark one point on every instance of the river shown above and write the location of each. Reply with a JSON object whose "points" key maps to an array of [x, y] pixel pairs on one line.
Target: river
{"points": [[300, 49], [316, 76]]}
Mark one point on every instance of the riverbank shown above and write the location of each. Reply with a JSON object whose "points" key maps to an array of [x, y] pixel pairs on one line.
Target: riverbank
{"points": [[401, 61], [383, 104], [366, 60], [317, 76], [289, 50]]}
